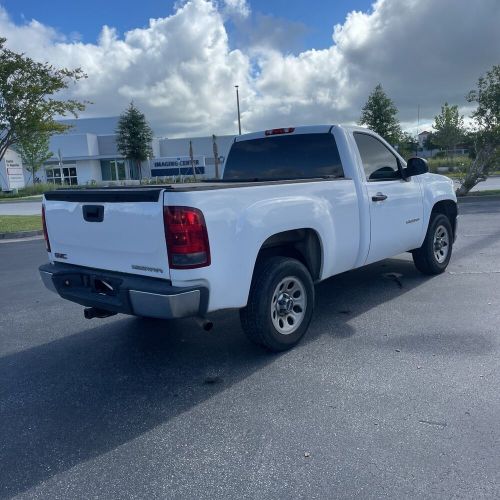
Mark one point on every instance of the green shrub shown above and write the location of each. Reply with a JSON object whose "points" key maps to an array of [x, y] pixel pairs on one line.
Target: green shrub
{"points": [[31, 190]]}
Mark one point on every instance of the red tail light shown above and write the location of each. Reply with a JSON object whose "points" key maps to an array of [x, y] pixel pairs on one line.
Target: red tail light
{"points": [[278, 131], [45, 233], [186, 237]]}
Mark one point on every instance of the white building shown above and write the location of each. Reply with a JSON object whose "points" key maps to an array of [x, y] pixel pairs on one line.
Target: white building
{"points": [[87, 154], [172, 156]]}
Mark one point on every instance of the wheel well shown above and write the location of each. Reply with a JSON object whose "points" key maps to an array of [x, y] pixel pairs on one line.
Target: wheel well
{"points": [[301, 244], [448, 208]]}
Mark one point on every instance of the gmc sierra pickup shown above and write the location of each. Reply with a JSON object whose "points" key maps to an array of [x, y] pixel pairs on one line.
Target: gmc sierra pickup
{"points": [[295, 206]]}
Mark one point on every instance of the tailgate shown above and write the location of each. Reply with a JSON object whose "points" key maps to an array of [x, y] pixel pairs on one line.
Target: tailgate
{"points": [[114, 229]]}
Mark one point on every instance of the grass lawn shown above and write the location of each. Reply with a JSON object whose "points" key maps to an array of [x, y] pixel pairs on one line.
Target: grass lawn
{"points": [[5, 199], [13, 223], [32, 190]]}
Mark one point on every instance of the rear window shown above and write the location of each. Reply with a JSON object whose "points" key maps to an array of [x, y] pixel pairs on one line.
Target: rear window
{"points": [[300, 156]]}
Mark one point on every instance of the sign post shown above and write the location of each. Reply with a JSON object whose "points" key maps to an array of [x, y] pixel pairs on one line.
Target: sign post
{"points": [[216, 156], [192, 159]]}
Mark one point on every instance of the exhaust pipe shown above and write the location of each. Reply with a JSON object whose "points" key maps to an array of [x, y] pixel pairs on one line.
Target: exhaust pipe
{"points": [[204, 323], [94, 312]]}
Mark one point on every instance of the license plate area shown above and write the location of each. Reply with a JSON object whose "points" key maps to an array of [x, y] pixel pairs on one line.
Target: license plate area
{"points": [[91, 289], [92, 283], [104, 285]]}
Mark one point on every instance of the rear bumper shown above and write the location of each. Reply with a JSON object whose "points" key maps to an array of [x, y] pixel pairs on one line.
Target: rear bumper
{"points": [[124, 293]]}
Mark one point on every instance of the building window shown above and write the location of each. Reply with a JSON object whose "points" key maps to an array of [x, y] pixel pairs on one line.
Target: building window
{"points": [[64, 175], [113, 170], [135, 172]]}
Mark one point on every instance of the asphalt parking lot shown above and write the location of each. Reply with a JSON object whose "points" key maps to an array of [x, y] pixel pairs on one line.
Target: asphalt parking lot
{"points": [[394, 393]]}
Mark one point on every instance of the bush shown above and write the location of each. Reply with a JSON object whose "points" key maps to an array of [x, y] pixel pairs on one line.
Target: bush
{"points": [[177, 179], [31, 190]]}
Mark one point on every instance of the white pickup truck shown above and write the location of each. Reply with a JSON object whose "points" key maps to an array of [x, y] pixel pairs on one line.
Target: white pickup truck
{"points": [[295, 206]]}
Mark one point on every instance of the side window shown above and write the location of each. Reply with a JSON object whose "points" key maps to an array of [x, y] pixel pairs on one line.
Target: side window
{"points": [[378, 162]]}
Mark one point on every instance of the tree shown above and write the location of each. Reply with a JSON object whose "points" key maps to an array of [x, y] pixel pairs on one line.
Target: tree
{"points": [[449, 127], [485, 135], [407, 145], [134, 136], [34, 151], [430, 143], [27, 105], [379, 114]]}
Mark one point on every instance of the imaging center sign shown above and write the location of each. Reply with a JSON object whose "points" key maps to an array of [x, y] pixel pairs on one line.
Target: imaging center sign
{"points": [[180, 165]]}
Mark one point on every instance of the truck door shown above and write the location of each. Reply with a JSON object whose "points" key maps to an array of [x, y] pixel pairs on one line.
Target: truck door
{"points": [[396, 205]]}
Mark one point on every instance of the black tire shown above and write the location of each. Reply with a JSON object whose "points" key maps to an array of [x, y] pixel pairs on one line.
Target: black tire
{"points": [[428, 257], [261, 321]]}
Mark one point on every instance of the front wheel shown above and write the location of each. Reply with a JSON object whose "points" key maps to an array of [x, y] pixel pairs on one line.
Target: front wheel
{"points": [[280, 304], [435, 253]]}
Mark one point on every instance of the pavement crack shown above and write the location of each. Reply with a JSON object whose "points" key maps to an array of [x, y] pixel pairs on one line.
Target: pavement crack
{"points": [[394, 277], [434, 422]]}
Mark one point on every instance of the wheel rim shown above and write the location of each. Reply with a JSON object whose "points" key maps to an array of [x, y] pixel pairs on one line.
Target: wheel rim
{"points": [[441, 244], [288, 305]]}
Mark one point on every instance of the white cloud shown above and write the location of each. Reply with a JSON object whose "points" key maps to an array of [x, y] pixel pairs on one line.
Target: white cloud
{"points": [[237, 7], [181, 69]]}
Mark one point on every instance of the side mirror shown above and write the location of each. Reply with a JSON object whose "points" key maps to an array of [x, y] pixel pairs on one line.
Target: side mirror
{"points": [[415, 166]]}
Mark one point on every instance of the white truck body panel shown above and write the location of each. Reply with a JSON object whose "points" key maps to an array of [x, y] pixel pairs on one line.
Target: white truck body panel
{"points": [[352, 229], [243, 222], [130, 239]]}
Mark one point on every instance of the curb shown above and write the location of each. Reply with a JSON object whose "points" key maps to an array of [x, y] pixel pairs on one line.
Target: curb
{"points": [[472, 198], [19, 235]]}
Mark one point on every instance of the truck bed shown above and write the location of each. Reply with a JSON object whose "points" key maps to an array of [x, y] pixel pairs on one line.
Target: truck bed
{"points": [[151, 193]]}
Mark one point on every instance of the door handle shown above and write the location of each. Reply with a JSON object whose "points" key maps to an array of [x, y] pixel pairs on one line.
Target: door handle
{"points": [[379, 197], [93, 213]]}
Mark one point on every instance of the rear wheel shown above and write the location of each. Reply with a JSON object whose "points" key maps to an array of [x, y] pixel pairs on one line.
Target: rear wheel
{"points": [[280, 304], [435, 253]]}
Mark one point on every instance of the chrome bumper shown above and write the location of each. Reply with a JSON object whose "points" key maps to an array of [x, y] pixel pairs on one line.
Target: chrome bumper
{"points": [[155, 305]]}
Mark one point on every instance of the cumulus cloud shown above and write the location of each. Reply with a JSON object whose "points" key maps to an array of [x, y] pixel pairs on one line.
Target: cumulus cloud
{"points": [[237, 7], [181, 69]]}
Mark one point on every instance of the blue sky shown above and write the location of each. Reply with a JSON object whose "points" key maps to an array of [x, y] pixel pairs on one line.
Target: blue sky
{"points": [[181, 69], [86, 18]]}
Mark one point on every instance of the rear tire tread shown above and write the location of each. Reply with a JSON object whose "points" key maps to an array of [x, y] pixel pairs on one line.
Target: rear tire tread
{"points": [[254, 317]]}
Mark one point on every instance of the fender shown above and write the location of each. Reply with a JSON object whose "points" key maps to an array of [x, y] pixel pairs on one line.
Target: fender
{"points": [[266, 218], [436, 188]]}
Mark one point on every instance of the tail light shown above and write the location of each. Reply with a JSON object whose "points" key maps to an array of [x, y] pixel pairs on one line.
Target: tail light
{"points": [[186, 237], [45, 233]]}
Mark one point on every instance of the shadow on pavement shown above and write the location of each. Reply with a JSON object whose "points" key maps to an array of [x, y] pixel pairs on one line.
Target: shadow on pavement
{"points": [[76, 398]]}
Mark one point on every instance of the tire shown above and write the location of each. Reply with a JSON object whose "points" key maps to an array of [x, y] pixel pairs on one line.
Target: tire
{"points": [[280, 304], [435, 253]]}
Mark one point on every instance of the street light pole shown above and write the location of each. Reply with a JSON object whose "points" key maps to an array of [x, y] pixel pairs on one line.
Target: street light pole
{"points": [[238, 105]]}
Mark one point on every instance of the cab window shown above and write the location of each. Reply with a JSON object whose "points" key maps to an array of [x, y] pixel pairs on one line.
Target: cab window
{"points": [[297, 156], [378, 162]]}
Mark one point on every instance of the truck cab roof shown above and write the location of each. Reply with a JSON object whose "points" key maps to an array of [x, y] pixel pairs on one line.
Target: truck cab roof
{"points": [[304, 129]]}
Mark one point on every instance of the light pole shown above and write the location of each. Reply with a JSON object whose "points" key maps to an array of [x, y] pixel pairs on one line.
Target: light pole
{"points": [[238, 105]]}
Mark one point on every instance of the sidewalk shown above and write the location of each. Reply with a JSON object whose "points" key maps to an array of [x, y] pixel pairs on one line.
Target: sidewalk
{"points": [[21, 207]]}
